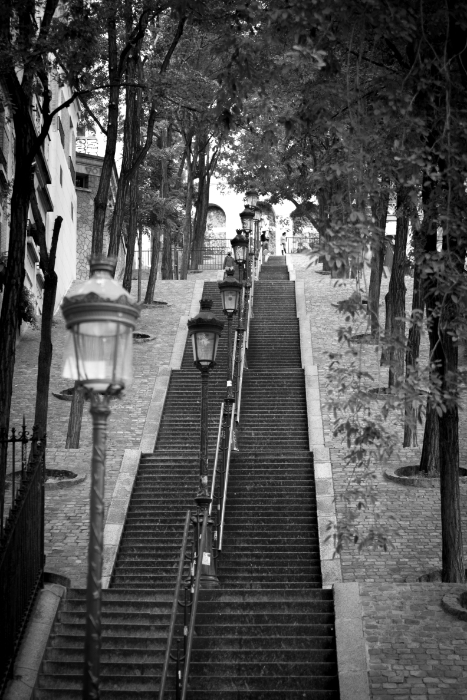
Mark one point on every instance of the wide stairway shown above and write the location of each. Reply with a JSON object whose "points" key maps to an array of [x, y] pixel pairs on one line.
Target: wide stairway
{"points": [[268, 631]]}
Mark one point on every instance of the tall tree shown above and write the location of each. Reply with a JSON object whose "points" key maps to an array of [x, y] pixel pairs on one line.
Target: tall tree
{"points": [[33, 54]]}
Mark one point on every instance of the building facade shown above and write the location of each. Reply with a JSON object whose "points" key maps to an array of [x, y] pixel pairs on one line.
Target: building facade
{"points": [[54, 184], [88, 171]]}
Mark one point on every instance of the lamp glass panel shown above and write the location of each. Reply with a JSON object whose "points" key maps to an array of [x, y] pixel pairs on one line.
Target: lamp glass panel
{"points": [[246, 221], [240, 253], [251, 197], [230, 300], [204, 347], [99, 355]]}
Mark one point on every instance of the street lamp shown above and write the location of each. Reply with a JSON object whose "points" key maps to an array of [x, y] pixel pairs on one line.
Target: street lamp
{"points": [[101, 317], [205, 330], [240, 247], [251, 197], [257, 220], [247, 216], [230, 290]]}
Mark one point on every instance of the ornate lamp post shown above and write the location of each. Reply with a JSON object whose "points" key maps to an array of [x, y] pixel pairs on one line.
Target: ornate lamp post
{"points": [[240, 248], [257, 220], [205, 330], [101, 317], [230, 290], [247, 216]]}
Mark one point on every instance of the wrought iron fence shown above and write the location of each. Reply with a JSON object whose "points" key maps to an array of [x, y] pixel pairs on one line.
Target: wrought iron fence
{"points": [[22, 477], [211, 258], [300, 244]]}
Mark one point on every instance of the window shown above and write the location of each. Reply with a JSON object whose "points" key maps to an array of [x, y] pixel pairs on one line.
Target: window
{"points": [[61, 131], [82, 180], [61, 176]]}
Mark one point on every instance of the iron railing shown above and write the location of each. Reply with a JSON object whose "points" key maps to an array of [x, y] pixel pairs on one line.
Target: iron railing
{"points": [[22, 478], [211, 258], [223, 486], [219, 487], [299, 244], [173, 617], [189, 605]]}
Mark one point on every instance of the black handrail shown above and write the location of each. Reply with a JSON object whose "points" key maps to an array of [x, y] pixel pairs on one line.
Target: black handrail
{"points": [[175, 604], [194, 605], [226, 480]]}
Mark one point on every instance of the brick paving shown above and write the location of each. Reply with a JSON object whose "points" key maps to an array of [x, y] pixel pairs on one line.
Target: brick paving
{"points": [[415, 650], [66, 529]]}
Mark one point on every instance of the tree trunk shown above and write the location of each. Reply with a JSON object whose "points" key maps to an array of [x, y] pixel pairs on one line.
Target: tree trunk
{"points": [[45, 352], [23, 185], [131, 129], [451, 522], [167, 266], [155, 247], [380, 214], [429, 462], [420, 232], [395, 298], [205, 168], [411, 411], [140, 257], [132, 232], [105, 178], [47, 264], [75, 419], [187, 228]]}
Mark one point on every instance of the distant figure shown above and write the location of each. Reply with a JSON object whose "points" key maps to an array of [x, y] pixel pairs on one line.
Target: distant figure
{"points": [[284, 243], [265, 245], [229, 263]]}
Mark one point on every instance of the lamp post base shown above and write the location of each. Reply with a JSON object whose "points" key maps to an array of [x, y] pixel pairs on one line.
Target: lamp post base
{"points": [[208, 565]]}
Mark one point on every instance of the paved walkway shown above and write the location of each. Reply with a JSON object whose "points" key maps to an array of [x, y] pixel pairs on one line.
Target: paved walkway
{"points": [[415, 649]]}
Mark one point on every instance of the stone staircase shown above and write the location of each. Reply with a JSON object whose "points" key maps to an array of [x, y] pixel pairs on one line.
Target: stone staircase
{"points": [[268, 631]]}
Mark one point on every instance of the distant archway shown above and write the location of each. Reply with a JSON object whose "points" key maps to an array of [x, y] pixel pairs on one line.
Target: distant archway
{"points": [[216, 224]]}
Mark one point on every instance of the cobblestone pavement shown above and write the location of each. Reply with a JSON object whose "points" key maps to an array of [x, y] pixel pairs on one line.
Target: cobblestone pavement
{"points": [[66, 529], [415, 649]]}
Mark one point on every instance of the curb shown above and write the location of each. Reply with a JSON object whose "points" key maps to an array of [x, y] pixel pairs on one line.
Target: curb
{"points": [[325, 501], [389, 473], [452, 604], [350, 643], [65, 483], [33, 646]]}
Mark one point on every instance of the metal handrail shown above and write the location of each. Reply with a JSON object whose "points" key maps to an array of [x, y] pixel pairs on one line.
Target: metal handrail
{"points": [[194, 605], [252, 293], [240, 380], [234, 360], [226, 480], [216, 458], [178, 585]]}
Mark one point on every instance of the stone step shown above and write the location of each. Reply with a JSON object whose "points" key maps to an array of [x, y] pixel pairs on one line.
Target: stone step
{"points": [[115, 694]]}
